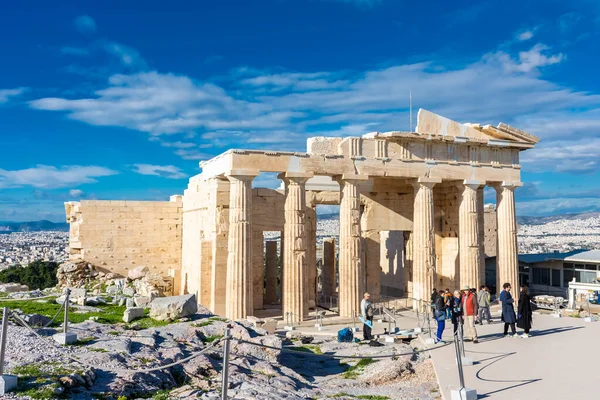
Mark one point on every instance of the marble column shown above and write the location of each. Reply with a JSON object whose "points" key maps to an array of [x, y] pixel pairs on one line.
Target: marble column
{"points": [[507, 261], [328, 277], [239, 292], [481, 215], [351, 270], [311, 255], [295, 300], [468, 235], [271, 273], [423, 240]]}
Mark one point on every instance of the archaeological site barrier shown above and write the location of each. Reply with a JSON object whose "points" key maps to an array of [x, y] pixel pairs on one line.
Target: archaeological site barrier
{"points": [[8, 382]]}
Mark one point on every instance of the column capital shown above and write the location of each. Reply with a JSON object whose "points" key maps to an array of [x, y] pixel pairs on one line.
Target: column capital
{"points": [[426, 181], [242, 174], [297, 177], [351, 177], [473, 184], [506, 185]]}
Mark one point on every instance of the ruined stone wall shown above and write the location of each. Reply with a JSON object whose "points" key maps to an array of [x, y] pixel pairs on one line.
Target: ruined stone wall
{"points": [[205, 233], [385, 215], [117, 236], [490, 224], [447, 202]]}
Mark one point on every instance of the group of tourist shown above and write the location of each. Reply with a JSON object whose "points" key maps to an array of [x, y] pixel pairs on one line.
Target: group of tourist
{"points": [[468, 307]]}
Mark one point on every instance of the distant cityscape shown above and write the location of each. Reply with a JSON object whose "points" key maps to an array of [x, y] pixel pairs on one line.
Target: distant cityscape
{"points": [[536, 235]]}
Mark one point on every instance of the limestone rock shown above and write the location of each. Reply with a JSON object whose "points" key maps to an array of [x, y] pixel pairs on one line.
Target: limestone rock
{"points": [[132, 314], [138, 273], [13, 287], [128, 291], [174, 307], [142, 301], [36, 320], [129, 303], [144, 288], [112, 290]]}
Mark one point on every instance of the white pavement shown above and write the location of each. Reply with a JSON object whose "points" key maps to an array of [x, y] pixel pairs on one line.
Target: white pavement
{"points": [[559, 361]]}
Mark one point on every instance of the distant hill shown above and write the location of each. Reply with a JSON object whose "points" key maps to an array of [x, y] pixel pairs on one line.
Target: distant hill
{"points": [[524, 220], [33, 226], [544, 220]]}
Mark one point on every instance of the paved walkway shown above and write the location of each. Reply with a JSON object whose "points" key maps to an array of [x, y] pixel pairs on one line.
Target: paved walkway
{"points": [[561, 360]]}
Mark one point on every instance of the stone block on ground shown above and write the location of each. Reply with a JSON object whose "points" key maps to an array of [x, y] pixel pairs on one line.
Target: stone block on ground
{"points": [[36, 320], [173, 307], [7, 383], [142, 301], [13, 288], [132, 314], [138, 272], [77, 293], [128, 291]]}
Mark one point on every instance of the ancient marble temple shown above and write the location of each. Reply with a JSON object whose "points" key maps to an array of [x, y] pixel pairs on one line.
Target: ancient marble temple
{"points": [[411, 219]]}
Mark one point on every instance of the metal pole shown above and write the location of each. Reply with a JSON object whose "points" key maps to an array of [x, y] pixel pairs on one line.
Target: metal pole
{"points": [[66, 322], [428, 322], [3, 339], [225, 372], [461, 339], [461, 376]]}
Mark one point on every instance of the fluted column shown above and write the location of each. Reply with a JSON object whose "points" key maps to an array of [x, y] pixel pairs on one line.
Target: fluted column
{"points": [[507, 259], [294, 252], [239, 291], [351, 270], [423, 239], [468, 235]]}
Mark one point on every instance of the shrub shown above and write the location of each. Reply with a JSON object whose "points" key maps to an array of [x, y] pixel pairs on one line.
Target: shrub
{"points": [[37, 275]]}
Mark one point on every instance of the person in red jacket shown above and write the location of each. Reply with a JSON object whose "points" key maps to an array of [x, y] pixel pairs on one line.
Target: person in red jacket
{"points": [[470, 309]]}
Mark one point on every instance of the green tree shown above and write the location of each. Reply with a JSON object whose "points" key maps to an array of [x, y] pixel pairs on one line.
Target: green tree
{"points": [[37, 275]]}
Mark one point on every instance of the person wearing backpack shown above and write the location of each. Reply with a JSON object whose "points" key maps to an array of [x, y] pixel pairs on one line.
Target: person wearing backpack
{"points": [[440, 315]]}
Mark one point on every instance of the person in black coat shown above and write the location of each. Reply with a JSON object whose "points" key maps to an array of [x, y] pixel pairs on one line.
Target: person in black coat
{"points": [[508, 310], [524, 310]]}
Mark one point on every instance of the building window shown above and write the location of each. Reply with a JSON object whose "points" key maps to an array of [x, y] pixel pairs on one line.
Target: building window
{"points": [[556, 277], [541, 276], [590, 267], [568, 276], [568, 265]]}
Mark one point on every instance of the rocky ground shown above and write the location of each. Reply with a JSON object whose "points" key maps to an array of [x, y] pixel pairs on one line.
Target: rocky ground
{"points": [[112, 359]]}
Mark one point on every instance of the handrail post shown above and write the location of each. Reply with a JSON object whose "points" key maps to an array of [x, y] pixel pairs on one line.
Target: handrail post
{"points": [[7, 382], [66, 337], [225, 372]]}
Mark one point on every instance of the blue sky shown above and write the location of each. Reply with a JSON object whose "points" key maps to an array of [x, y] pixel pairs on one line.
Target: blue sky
{"points": [[121, 100]]}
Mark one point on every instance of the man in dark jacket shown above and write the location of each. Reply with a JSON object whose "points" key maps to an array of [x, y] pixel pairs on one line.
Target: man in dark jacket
{"points": [[508, 310]]}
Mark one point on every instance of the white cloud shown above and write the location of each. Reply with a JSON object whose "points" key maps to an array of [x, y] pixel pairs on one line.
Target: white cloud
{"points": [[558, 205], [165, 171], [128, 56], [525, 35], [6, 94], [49, 177], [266, 109], [76, 193], [527, 61], [85, 24]]}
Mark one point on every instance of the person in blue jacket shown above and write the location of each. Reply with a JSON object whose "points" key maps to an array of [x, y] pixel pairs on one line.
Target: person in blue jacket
{"points": [[508, 310]]}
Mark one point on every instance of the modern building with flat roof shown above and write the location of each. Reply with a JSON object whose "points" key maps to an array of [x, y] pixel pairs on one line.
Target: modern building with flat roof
{"points": [[550, 273]]}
